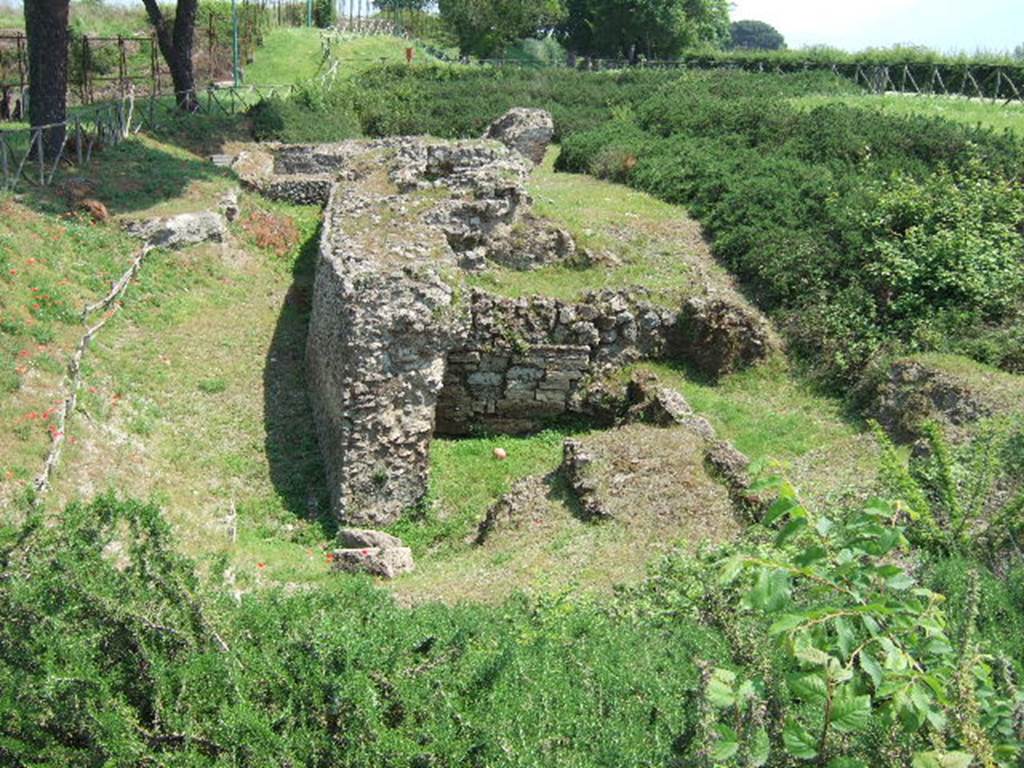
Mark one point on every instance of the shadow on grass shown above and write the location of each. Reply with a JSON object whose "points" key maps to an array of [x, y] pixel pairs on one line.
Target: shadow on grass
{"points": [[131, 176], [296, 468]]}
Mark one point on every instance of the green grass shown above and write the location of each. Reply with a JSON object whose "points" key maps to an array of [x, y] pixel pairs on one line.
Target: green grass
{"points": [[288, 55], [466, 478], [994, 115], [635, 239], [784, 425]]}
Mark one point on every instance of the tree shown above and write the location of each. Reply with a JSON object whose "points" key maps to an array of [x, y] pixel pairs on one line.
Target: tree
{"points": [[651, 28], [175, 41], [484, 27], [1018, 52], [46, 27], [756, 35]]}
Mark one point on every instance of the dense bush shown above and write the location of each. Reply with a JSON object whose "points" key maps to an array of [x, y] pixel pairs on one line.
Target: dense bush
{"points": [[862, 231], [113, 652]]}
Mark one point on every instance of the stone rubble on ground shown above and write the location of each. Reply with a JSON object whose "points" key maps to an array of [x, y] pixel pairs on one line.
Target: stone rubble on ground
{"points": [[180, 231], [373, 552]]}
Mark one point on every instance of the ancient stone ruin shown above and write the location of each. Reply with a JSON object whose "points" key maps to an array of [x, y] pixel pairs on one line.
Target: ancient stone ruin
{"points": [[401, 348]]}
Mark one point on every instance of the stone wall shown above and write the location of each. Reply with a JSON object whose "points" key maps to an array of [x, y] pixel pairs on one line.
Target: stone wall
{"points": [[399, 348], [376, 356], [525, 361], [384, 311]]}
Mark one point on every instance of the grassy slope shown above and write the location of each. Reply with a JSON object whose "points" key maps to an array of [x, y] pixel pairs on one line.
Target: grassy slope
{"points": [[997, 116], [287, 56], [637, 239]]}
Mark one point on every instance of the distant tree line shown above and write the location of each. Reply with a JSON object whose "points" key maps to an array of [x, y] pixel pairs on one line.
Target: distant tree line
{"points": [[599, 28], [755, 35]]}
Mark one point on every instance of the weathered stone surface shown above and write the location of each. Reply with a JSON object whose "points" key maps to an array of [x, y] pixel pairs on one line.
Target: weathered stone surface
{"points": [[531, 243], [720, 336], [524, 504], [228, 204], [182, 230], [361, 538], [576, 464], [955, 392], [646, 475], [386, 563], [528, 131]]}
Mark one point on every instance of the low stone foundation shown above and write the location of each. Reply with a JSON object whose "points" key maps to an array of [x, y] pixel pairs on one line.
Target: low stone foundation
{"points": [[399, 348]]}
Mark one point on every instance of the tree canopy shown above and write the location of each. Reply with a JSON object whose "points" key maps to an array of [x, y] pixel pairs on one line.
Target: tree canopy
{"points": [[650, 28], [753, 34], [484, 27]]}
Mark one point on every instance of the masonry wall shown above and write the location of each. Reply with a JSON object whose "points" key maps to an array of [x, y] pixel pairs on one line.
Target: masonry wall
{"points": [[525, 361]]}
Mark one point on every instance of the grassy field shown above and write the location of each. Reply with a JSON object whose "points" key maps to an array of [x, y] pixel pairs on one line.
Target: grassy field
{"points": [[974, 112]]}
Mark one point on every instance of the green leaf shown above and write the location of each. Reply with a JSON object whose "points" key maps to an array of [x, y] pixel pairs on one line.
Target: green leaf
{"points": [[779, 508], [872, 668], [807, 653], [900, 582], [726, 745], [845, 638], [810, 687], [759, 748], [850, 713], [846, 762], [942, 760], [799, 743], [771, 591], [789, 530], [731, 568], [787, 622], [720, 691], [810, 555]]}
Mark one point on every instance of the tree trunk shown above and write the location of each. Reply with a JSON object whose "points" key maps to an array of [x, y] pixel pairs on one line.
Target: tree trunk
{"points": [[46, 27], [175, 43]]}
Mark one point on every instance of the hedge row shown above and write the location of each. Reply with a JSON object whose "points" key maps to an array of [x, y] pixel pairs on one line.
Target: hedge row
{"points": [[452, 101], [864, 232]]}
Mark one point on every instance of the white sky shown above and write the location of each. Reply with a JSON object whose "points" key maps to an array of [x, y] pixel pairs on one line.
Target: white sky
{"points": [[947, 25]]}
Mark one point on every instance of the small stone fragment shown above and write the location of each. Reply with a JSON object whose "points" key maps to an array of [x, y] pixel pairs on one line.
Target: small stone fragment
{"points": [[360, 538], [386, 563], [500, 454]]}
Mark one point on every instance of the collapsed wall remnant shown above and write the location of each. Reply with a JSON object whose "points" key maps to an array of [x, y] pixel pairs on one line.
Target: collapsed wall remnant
{"points": [[955, 392], [527, 131], [400, 348]]}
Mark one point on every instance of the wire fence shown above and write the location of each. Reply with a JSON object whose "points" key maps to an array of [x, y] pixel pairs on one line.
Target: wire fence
{"points": [[26, 159], [102, 68], [983, 81]]}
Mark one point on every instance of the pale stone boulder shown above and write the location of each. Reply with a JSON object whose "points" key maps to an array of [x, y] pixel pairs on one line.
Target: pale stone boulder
{"points": [[527, 131], [386, 563]]}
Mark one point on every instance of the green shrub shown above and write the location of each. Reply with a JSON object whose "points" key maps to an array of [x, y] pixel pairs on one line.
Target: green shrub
{"points": [[863, 232], [112, 652], [323, 13]]}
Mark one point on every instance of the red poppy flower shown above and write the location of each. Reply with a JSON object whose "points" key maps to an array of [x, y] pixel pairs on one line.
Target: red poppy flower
{"points": [[261, 565]]}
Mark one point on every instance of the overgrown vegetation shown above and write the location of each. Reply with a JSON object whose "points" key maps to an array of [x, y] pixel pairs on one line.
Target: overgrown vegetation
{"points": [[841, 631], [863, 232], [824, 649]]}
